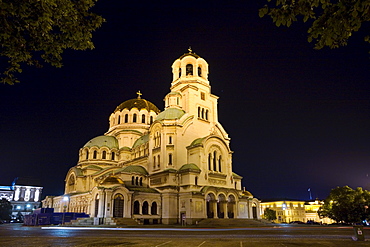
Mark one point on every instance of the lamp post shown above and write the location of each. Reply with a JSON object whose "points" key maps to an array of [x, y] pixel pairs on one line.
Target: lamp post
{"points": [[65, 207]]}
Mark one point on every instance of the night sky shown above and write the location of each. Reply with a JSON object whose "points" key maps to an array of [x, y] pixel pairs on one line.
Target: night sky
{"points": [[298, 118]]}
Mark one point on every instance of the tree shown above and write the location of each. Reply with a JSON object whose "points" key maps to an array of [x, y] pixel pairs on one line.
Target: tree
{"points": [[346, 205], [37, 31], [332, 22], [5, 209], [269, 214]]}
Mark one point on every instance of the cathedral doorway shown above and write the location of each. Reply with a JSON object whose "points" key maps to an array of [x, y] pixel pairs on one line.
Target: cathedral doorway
{"points": [[221, 202], [210, 199], [230, 207], [96, 211], [118, 203], [254, 211]]}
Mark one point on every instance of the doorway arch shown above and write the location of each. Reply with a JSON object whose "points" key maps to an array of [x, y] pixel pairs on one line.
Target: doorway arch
{"points": [[118, 206], [210, 201], [231, 206]]}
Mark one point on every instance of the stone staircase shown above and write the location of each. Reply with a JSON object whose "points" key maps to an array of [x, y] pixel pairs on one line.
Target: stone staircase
{"points": [[233, 223], [82, 222]]}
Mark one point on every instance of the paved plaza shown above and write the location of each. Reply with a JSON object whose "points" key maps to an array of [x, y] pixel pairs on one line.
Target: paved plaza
{"points": [[18, 235]]}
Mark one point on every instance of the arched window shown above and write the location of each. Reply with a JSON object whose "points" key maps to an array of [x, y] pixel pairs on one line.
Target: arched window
{"points": [[95, 154], [104, 155], [206, 114], [154, 208], [96, 211], [154, 162], [143, 118], [145, 209], [189, 69], [214, 160], [159, 161], [209, 161], [126, 118], [141, 181], [170, 159], [133, 180], [198, 111], [199, 71], [219, 163], [134, 118], [119, 120], [179, 72], [87, 154], [137, 181], [170, 140], [112, 156], [136, 207], [202, 113], [196, 180], [151, 119]]}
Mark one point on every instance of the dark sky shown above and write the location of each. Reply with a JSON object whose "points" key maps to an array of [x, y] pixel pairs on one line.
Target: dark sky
{"points": [[298, 118]]}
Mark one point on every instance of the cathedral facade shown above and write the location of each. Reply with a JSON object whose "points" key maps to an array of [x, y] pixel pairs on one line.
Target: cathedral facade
{"points": [[171, 166]]}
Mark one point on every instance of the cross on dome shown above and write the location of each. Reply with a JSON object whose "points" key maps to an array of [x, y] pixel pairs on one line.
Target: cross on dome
{"points": [[139, 94], [190, 50]]}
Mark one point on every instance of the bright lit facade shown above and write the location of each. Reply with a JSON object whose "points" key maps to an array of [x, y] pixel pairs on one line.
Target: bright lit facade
{"points": [[24, 196], [292, 210], [286, 210], [161, 167]]}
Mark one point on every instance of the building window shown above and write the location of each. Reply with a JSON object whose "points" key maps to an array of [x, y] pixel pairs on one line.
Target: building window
{"points": [[179, 72], [145, 209], [95, 154], [134, 118], [137, 181], [87, 154], [136, 207], [143, 118], [141, 181], [209, 162], [198, 111], [196, 180], [199, 71], [126, 118], [159, 161], [214, 160], [170, 140], [203, 113], [154, 162], [104, 155], [189, 69], [112, 156], [151, 119], [206, 114], [219, 163], [133, 180], [154, 208], [119, 120], [202, 96], [170, 159]]}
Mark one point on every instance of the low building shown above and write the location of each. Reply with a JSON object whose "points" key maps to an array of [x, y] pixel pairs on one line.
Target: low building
{"points": [[288, 210], [24, 194]]}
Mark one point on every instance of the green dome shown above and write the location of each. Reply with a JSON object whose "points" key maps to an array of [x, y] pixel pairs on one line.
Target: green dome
{"points": [[141, 141], [190, 166], [139, 104], [170, 114], [197, 141], [102, 141], [135, 169]]}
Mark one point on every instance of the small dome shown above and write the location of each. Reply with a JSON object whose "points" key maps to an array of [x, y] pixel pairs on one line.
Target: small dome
{"points": [[135, 169], [170, 114], [190, 166], [141, 141], [139, 104], [103, 141]]}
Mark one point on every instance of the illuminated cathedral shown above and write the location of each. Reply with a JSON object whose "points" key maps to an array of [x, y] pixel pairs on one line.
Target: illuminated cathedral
{"points": [[151, 166]]}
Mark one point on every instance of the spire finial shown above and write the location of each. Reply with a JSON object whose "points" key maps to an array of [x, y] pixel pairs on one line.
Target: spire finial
{"points": [[139, 94], [190, 50]]}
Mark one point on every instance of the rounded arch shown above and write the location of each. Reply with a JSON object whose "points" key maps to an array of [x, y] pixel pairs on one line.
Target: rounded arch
{"points": [[118, 205], [136, 207]]}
